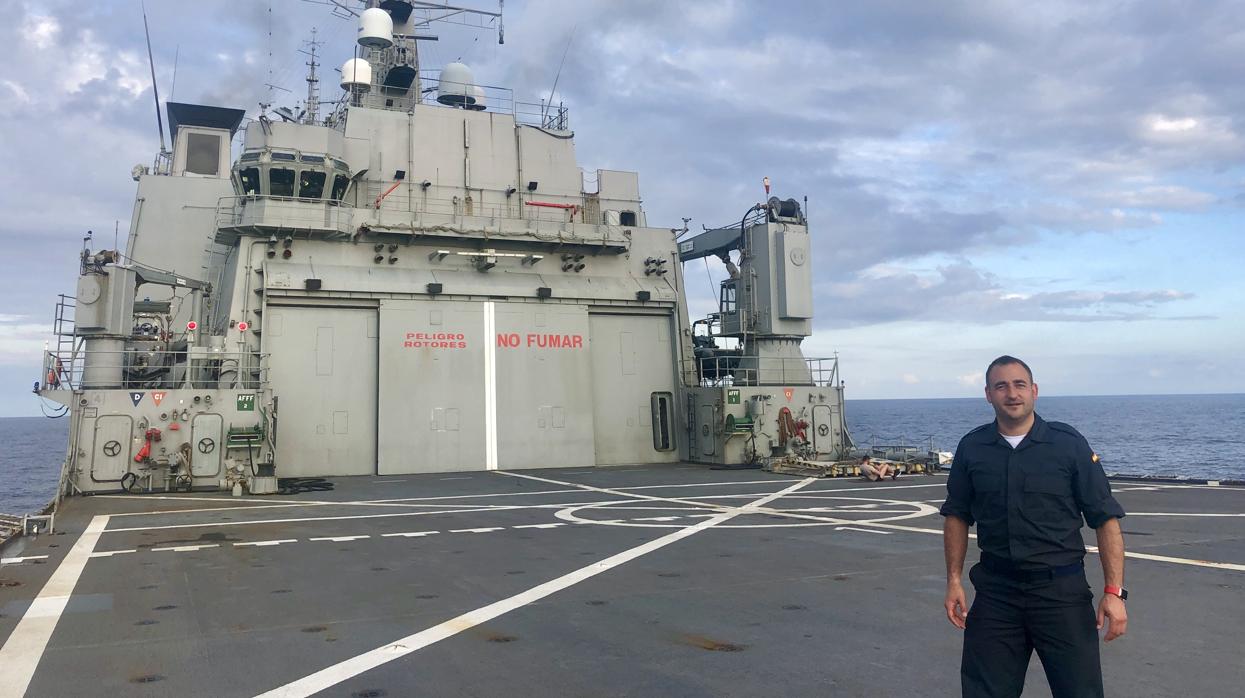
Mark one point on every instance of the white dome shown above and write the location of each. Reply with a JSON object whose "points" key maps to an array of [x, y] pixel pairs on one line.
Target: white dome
{"points": [[375, 29], [357, 74], [479, 103], [455, 86]]}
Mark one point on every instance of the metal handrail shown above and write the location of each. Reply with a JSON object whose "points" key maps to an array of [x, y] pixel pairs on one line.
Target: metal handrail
{"points": [[142, 369], [718, 371], [320, 214], [317, 214]]}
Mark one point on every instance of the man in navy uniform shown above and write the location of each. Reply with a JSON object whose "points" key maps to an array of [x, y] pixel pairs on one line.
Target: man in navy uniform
{"points": [[1028, 484]]}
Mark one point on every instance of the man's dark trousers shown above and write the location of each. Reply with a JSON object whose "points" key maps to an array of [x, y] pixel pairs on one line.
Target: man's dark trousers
{"points": [[1012, 616]]}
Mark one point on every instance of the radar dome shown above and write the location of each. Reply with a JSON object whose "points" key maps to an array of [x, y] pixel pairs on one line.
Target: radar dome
{"points": [[477, 94], [456, 84], [375, 29], [357, 75]]}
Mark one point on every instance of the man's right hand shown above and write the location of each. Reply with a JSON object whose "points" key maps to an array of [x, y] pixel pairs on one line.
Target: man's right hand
{"points": [[956, 605]]}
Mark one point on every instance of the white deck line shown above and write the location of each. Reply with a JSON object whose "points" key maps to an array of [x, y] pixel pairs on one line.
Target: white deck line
{"points": [[1179, 513], [110, 553], [15, 560], [243, 504], [862, 530], [490, 386], [186, 548], [701, 505], [483, 508], [1091, 548], [340, 539], [266, 543], [24, 648], [354, 666], [1183, 561], [218, 524]]}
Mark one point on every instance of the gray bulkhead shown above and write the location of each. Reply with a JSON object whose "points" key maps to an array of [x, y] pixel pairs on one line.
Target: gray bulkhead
{"points": [[535, 348]]}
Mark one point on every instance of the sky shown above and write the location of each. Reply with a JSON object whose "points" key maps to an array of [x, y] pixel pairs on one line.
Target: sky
{"points": [[1061, 181]]}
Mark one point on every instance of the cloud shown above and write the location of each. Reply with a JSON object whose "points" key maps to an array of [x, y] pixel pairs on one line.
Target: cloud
{"points": [[972, 380], [22, 341], [961, 293]]}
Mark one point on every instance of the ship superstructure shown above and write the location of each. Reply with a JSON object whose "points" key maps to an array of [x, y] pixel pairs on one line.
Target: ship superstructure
{"points": [[419, 281]]}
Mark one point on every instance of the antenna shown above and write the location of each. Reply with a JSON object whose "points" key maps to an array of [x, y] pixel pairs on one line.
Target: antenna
{"points": [[176, 52], [154, 88], [313, 83], [558, 75]]}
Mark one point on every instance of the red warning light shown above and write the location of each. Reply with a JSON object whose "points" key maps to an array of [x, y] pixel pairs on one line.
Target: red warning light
{"points": [[242, 326], [192, 326]]}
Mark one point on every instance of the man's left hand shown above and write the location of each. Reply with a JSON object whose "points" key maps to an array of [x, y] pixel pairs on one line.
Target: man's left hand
{"points": [[1111, 607]]}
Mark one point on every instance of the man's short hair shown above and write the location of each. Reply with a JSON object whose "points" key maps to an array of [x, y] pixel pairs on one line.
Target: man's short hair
{"points": [[1004, 360]]}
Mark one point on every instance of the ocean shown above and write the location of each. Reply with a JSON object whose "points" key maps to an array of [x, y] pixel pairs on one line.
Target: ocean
{"points": [[1185, 436]]}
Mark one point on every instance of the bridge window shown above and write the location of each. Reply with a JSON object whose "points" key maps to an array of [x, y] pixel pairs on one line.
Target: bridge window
{"points": [[627, 218], [340, 182], [203, 154], [310, 184], [281, 182], [248, 180], [727, 302]]}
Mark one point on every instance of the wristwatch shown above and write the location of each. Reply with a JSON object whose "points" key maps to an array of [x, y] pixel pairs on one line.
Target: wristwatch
{"points": [[1118, 591]]}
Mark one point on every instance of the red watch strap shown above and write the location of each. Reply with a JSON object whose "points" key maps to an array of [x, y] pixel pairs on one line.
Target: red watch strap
{"points": [[1112, 590]]}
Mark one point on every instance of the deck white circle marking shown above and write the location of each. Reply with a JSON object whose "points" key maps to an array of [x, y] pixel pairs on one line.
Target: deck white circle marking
{"points": [[918, 510]]}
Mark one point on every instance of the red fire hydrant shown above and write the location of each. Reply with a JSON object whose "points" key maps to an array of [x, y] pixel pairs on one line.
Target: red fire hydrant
{"points": [[153, 434]]}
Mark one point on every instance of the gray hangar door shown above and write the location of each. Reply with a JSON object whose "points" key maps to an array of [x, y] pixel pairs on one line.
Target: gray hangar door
{"points": [[633, 373], [483, 385], [322, 368], [544, 386], [432, 399]]}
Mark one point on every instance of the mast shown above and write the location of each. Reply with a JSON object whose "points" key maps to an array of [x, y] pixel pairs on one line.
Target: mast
{"points": [[312, 108]]}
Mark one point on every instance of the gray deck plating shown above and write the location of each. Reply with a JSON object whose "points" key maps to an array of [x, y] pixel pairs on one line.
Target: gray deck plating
{"points": [[835, 588]]}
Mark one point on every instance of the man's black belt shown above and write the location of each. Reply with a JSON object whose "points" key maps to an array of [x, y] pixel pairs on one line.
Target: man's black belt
{"points": [[1007, 568]]}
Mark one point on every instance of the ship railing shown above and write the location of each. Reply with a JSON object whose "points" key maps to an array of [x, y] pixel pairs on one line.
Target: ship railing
{"points": [[543, 114], [728, 371], [413, 197], [291, 213], [281, 213], [139, 369], [901, 448]]}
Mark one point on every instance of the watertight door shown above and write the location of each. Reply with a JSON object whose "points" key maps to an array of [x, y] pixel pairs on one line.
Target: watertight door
{"points": [[207, 444], [823, 429], [708, 440], [110, 457]]}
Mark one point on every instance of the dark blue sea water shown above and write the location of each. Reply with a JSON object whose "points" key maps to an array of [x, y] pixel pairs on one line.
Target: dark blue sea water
{"points": [[1188, 436], [31, 452], [1197, 436]]}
